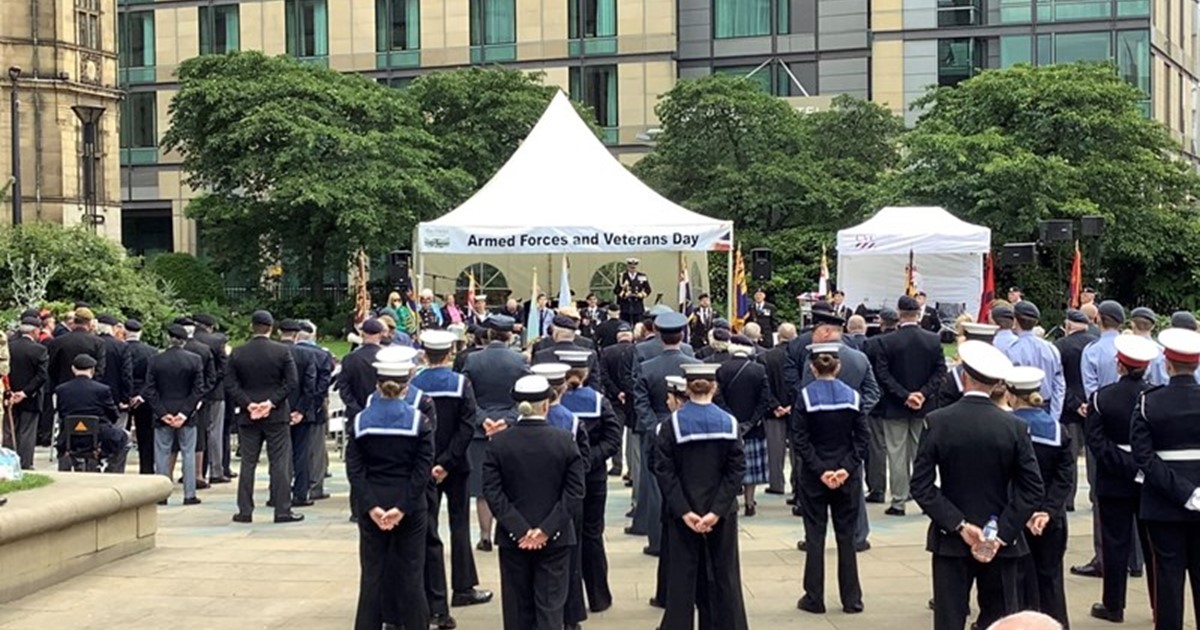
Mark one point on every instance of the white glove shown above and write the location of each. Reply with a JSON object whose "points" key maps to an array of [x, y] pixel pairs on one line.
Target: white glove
{"points": [[1140, 477], [1193, 503]]}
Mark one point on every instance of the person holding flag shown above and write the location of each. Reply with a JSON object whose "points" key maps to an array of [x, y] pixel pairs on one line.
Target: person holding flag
{"points": [[1076, 286], [823, 279], [741, 295]]}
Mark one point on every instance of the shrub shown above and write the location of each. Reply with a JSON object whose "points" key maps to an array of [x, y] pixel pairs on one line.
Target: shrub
{"points": [[193, 280]]}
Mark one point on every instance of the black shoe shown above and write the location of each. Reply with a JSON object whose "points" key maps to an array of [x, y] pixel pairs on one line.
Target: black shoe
{"points": [[853, 609], [657, 604], [484, 545], [614, 472], [773, 491], [628, 483], [629, 514], [1090, 569], [301, 503], [1070, 508], [802, 545], [231, 474], [163, 502], [1115, 616], [649, 552], [930, 603], [320, 497], [1137, 573], [470, 598], [289, 517], [790, 501], [217, 480], [875, 497], [202, 484], [192, 501], [630, 531], [599, 608], [797, 510], [862, 546], [353, 518], [751, 509], [328, 475], [808, 604], [572, 626], [443, 622], [242, 518], [894, 511]]}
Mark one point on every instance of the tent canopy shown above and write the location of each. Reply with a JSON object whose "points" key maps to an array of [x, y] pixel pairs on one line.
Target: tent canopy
{"points": [[947, 254], [924, 230], [562, 191]]}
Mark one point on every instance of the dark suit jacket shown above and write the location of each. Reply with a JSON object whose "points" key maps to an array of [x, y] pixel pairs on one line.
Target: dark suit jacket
{"points": [[262, 370], [174, 384], [28, 372], [768, 319], [775, 360], [909, 360], [216, 342], [324, 360], [139, 359], [1168, 419], [118, 371], [855, 372], [606, 332], [391, 471], [595, 378], [532, 475], [304, 397], [493, 371], [205, 353], [987, 467], [82, 396], [64, 349], [1070, 348], [1107, 428], [650, 388], [618, 367], [356, 381], [745, 392]]}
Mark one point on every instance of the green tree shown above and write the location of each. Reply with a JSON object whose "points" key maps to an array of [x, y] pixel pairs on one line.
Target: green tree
{"points": [[302, 164], [193, 280], [1010, 148]]}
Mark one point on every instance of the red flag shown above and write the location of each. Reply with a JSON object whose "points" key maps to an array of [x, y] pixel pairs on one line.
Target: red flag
{"points": [[1076, 277], [989, 290]]}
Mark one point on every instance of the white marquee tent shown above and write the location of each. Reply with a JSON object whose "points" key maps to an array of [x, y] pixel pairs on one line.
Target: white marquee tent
{"points": [[946, 251], [563, 192]]}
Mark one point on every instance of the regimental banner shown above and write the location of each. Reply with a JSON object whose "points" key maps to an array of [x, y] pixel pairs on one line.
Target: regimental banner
{"points": [[437, 239]]}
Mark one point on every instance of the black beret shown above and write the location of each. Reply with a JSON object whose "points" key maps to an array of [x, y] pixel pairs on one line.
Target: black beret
{"points": [[624, 327], [31, 312], [204, 319], [566, 322], [886, 314], [1183, 319], [822, 306], [907, 303], [372, 327], [108, 320], [34, 321], [1077, 316], [741, 340], [83, 362], [289, 325], [721, 334], [133, 325], [176, 331], [262, 318], [1142, 312], [1025, 308], [1112, 309], [822, 318], [1002, 312], [184, 320], [721, 323], [500, 323]]}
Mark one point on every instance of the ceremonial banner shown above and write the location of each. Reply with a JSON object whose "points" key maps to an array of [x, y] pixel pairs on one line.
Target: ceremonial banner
{"points": [[564, 285], [823, 280], [742, 295], [540, 239], [1076, 278], [989, 290]]}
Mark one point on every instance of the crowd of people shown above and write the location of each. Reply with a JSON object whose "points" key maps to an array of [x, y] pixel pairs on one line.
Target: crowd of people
{"points": [[446, 405]]}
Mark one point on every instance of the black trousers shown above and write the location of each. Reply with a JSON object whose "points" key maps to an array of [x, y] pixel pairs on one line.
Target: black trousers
{"points": [[1176, 548], [278, 438], [704, 569], [845, 503], [392, 566], [45, 431], [1042, 571], [952, 580], [594, 557], [1120, 531], [300, 460], [463, 576], [25, 426], [230, 427], [143, 425], [533, 587]]}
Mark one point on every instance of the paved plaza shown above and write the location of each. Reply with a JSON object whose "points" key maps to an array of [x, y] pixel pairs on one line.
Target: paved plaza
{"points": [[208, 573]]}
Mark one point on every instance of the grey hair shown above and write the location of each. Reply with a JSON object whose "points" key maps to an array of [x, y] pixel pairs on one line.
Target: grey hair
{"points": [[308, 335], [26, 329]]}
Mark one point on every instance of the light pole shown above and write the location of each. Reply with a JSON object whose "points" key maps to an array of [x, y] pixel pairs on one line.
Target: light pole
{"points": [[89, 115], [14, 73]]}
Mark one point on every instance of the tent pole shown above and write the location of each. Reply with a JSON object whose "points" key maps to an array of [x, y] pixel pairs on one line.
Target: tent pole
{"points": [[421, 273], [729, 293], [682, 307]]}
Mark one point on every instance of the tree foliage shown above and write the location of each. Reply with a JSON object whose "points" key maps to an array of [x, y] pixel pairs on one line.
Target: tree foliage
{"points": [[302, 163], [1010, 148], [192, 279]]}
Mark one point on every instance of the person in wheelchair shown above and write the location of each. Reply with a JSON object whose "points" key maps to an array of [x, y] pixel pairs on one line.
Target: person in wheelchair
{"points": [[82, 396]]}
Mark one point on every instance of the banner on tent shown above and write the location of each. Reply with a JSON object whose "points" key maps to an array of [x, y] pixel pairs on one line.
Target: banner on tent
{"points": [[436, 239]]}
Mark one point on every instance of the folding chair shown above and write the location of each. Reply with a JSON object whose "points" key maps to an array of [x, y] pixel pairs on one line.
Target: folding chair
{"points": [[81, 451]]}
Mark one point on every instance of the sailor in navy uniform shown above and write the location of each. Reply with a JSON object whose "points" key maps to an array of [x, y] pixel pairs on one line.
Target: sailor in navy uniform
{"points": [[699, 462], [388, 460], [1117, 479], [454, 398], [596, 415], [532, 475], [1165, 438], [575, 610], [1042, 570], [677, 397], [632, 289], [830, 435], [951, 389], [987, 468]]}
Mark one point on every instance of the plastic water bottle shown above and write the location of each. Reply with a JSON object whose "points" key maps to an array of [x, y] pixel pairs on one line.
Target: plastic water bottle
{"points": [[991, 531], [986, 551]]}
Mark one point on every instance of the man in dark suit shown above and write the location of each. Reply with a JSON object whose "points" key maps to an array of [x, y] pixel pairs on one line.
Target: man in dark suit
{"points": [[84, 396], [591, 317], [217, 439], [303, 405], [856, 333], [775, 360], [118, 373], [763, 313], [606, 332], [262, 376], [202, 419], [143, 417], [632, 289], [318, 454], [617, 360], [564, 338], [28, 361], [63, 349], [533, 477], [929, 316], [1070, 348], [174, 385], [837, 302], [700, 322], [910, 365], [877, 452], [987, 468]]}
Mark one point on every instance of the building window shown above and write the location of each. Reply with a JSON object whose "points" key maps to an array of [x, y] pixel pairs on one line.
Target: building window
{"points": [[1133, 8], [1072, 47], [1016, 11], [958, 13], [397, 33], [87, 20], [139, 135], [137, 39], [749, 18], [219, 29], [1066, 10], [307, 26], [147, 232], [493, 30], [598, 18], [1015, 49], [489, 281], [957, 60], [771, 78], [396, 83], [596, 86], [1133, 58]]}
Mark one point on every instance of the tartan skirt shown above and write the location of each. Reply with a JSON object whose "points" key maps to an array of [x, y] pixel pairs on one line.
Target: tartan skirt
{"points": [[756, 461]]}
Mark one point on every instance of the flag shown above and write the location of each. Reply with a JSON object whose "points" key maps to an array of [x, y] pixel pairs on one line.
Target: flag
{"points": [[685, 287], [741, 295], [1076, 277], [564, 285], [470, 289], [823, 281], [533, 323], [989, 290], [362, 297], [910, 277]]}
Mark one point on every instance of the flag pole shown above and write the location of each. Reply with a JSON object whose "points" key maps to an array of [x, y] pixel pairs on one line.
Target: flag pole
{"points": [[731, 296]]}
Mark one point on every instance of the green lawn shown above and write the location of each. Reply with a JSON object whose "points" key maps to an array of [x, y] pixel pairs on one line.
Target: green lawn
{"points": [[28, 481], [339, 347]]}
